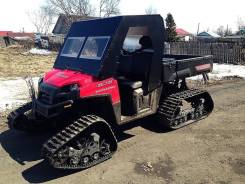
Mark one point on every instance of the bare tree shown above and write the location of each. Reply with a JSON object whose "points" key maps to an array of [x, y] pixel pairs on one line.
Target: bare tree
{"points": [[228, 31], [101, 7], [150, 10], [240, 23], [109, 7], [42, 18], [73, 7], [85, 8], [220, 31], [76, 9]]}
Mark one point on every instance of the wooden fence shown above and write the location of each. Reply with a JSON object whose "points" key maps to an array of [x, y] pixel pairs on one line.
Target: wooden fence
{"points": [[233, 53]]}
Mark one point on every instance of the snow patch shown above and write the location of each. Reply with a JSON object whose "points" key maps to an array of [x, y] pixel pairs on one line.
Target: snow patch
{"points": [[40, 51], [14, 93], [221, 71]]}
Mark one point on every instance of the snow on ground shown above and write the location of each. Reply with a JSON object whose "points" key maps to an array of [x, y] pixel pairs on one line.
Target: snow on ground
{"points": [[40, 51], [13, 93], [220, 71]]}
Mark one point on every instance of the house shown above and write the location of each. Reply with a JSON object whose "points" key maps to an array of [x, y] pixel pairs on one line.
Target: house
{"points": [[16, 35], [61, 28], [5, 33], [3, 36], [234, 39], [10, 37], [182, 34], [64, 22], [22, 36], [207, 35], [241, 32]]}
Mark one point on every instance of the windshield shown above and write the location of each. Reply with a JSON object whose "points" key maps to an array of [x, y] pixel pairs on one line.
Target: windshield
{"points": [[94, 47], [72, 46], [87, 46]]}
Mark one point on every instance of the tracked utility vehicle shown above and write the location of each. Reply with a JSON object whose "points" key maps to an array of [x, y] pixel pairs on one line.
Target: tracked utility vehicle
{"points": [[109, 72]]}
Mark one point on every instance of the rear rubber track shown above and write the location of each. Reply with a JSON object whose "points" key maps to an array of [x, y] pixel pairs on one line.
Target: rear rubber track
{"points": [[169, 106]]}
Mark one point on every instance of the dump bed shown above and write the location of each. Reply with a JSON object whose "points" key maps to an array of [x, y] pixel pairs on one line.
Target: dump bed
{"points": [[184, 66]]}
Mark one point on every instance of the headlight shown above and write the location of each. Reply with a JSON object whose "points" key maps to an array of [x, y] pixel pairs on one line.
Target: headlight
{"points": [[74, 91], [74, 87]]}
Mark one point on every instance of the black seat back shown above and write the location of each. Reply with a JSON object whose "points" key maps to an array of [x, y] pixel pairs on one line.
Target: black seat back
{"points": [[136, 66], [141, 66], [125, 66]]}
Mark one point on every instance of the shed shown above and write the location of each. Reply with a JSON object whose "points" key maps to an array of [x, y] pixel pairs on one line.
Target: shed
{"points": [[5, 33], [183, 34], [208, 34], [64, 22]]}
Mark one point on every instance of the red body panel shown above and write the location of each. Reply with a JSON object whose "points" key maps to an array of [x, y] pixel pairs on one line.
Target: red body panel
{"points": [[89, 85]]}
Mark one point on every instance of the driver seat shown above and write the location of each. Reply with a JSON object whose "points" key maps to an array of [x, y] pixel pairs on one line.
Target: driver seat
{"points": [[129, 83]]}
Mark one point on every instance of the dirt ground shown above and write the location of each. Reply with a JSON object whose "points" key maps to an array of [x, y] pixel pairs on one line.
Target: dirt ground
{"points": [[16, 62], [211, 151]]}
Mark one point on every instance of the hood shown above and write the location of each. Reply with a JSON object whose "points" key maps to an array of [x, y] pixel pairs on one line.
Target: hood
{"points": [[60, 78]]}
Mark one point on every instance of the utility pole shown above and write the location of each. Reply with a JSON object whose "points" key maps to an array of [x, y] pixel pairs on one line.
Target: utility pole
{"points": [[198, 27]]}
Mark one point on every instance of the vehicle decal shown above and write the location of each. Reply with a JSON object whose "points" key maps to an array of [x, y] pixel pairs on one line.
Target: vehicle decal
{"points": [[104, 89], [203, 67], [104, 83]]}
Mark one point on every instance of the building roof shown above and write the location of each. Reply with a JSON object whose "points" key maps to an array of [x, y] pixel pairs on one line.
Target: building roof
{"points": [[5, 33], [241, 32], [235, 36], [21, 34], [181, 32], [208, 34], [16, 34], [64, 22]]}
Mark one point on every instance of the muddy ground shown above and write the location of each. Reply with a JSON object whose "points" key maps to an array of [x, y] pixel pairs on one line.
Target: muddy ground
{"points": [[15, 61], [211, 151]]}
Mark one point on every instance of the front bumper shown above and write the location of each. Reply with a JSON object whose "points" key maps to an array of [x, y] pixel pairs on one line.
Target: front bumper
{"points": [[49, 111], [51, 101]]}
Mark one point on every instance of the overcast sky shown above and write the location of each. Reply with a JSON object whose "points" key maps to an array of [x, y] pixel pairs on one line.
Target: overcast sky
{"points": [[187, 14]]}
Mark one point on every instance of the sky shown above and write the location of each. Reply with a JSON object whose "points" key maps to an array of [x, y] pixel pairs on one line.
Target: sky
{"points": [[187, 14]]}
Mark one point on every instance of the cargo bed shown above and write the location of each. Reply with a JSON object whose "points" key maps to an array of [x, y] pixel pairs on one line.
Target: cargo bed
{"points": [[184, 66]]}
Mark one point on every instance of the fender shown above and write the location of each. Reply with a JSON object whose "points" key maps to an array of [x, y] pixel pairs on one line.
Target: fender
{"points": [[102, 106]]}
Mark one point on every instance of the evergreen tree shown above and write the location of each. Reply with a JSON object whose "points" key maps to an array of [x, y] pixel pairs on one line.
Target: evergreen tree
{"points": [[171, 34]]}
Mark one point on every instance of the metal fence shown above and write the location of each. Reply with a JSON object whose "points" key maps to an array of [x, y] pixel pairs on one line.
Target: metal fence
{"points": [[233, 53]]}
